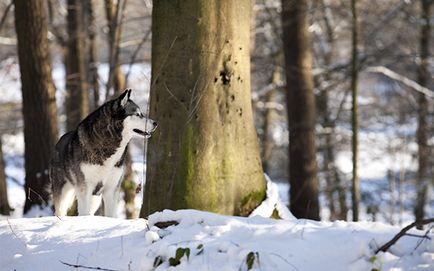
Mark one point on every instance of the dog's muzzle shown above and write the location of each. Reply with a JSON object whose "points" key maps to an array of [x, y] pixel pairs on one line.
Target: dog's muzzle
{"points": [[145, 133]]}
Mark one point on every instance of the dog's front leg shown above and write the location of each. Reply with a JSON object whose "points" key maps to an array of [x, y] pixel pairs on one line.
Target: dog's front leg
{"points": [[111, 198], [84, 202], [95, 203]]}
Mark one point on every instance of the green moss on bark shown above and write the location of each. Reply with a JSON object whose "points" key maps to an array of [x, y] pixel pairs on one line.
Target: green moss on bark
{"points": [[250, 202], [204, 154], [185, 181]]}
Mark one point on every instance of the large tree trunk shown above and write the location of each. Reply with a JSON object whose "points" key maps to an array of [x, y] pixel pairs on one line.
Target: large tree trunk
{"points": [[422, 129], [4, 203], [77, 100], [205, 154], [39, 103], [301, 110]]}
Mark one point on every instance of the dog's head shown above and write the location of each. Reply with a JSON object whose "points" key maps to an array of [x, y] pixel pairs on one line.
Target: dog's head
{"points": [[134, 119]]}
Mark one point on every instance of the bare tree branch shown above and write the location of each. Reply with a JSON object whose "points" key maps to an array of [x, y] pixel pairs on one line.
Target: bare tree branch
{"points": [[403, 232], [400, 78], [5, 14], [8, 41], [87, 267], [114, 19], [134, 56]]}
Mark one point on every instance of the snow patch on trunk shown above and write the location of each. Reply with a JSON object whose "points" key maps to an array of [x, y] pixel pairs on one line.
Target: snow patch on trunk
{"points": [[272, 202]]}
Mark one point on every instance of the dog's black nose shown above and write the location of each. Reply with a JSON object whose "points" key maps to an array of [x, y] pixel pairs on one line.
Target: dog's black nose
{"points": [[155, 124]]}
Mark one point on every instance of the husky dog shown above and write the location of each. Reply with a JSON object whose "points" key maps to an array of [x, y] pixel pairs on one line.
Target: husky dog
{"points": [[88, 163]]}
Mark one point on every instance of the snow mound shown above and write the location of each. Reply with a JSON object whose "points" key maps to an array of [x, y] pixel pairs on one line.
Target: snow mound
{"points": [[197, 240], [272, 202], [42, 243]]}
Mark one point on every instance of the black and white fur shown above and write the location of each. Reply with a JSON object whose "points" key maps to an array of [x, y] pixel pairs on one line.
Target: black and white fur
{"points": [[88, 163]]}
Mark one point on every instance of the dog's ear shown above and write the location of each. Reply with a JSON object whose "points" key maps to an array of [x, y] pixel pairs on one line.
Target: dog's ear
{"points": [[123, 99]]}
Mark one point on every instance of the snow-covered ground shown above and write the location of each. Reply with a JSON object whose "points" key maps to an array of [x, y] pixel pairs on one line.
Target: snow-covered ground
{"points": [[206, 241], [196, 240]]}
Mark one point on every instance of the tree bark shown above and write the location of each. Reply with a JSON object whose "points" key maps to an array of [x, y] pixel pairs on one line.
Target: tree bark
{"points": [[116, 78], [77, 100], [333, 179], [423, 127], [355, 193], [129, 188], [204, 154], [4, 202], [88, 8], [269, 116], [39, 104], [301, 110]]}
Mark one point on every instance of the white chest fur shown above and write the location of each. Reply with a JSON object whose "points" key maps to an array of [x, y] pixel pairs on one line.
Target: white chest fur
{"points": [[107, 173]]}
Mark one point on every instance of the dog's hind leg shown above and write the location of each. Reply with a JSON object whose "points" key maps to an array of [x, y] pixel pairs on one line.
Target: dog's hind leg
{"points": [[64, 200]]}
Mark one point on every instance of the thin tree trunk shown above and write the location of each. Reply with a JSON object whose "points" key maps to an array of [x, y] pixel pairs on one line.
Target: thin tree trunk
{"points": [[77, 100], [342, 197], [4, 202], [324, 117], [39, 103], [205, 153], [400, 194], [129, 188], [333, 180], [392, 186], [329, 176], [116, 78], [268, 120], [422, 129], [301, 110], [92, 55], [355, 194]]}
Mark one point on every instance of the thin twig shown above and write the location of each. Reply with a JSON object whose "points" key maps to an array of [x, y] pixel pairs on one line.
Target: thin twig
{"points": [[425, 236], [285, 260], [341, 106], [30, 190], [403, 79], [418, 236], [395, 239], [145, 140], [87, 267], [174, 97], [15, 234], [163, 62], [134, 56], [5, 14], [15, 180]]}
